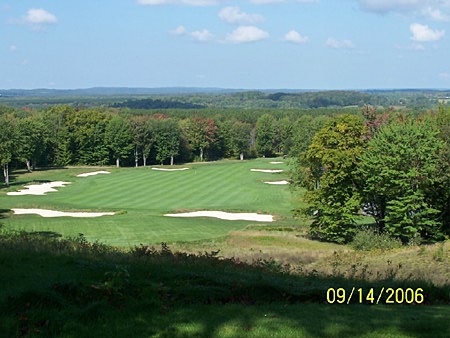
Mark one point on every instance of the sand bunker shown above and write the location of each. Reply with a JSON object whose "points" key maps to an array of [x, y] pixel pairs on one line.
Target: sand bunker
{"points": [[226, 216], [93, 173], [268, 170], [277, 182], [276, 162], [38, 189], [164, 169], [54, 213]]}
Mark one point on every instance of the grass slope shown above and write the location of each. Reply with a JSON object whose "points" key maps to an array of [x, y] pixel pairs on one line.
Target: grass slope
{"points": [[142, 196], [60, 288]]}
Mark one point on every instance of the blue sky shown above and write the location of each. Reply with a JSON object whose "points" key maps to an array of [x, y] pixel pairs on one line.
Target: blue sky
{"points": [[253, 44]]}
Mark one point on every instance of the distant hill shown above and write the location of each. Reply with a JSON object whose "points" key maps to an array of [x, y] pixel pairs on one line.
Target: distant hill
{"points": [[113, 91], [156, 104], [223, 98]]}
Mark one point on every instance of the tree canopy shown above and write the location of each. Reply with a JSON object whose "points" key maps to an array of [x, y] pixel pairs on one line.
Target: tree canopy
{"points": [[333, 195]]}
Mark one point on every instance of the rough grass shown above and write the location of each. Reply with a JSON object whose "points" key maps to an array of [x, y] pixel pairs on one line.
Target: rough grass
{"points": [[60, 288], [429, 263]]}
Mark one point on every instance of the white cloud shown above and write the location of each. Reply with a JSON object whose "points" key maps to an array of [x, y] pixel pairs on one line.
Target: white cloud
{"points": [[385, 6], [180, 30], [246, 34], [199, 35], [13, 48], [203, 35], [416, 46], [437, 10], [39, 16], [178, 2], [424, 33], [234, 15], [263, 2], [339, 44], [444, 75], [435, 14], [296, 37], [154, 2]]}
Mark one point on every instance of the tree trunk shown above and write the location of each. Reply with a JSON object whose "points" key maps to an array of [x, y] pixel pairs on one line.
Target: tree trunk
{"points": [[145, 160], [201, 154], [241, 156], [136, 159], [117, 162], [27, 161], [171, 160], [33, 164], [6, 174]]}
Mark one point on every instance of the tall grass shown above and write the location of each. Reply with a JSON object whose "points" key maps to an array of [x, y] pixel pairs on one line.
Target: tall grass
{"points": [[53, 287]]}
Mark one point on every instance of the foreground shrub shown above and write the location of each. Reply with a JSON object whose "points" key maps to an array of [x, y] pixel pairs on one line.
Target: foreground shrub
{"points": [[369, 239]]}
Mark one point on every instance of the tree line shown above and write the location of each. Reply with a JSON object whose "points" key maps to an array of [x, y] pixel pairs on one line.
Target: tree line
{"points": [[389, 165], [64, 135]]}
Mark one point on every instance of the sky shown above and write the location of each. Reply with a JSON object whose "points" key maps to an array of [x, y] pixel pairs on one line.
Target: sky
{"points": [[251, 44]]}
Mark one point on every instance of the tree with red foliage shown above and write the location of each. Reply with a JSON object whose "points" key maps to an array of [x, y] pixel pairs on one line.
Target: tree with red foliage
{"points": [[200, 132], [374, 120]]}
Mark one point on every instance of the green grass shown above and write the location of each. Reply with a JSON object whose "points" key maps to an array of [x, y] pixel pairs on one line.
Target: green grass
{"points": [[53, 287], [60, 288], [142, 196]]}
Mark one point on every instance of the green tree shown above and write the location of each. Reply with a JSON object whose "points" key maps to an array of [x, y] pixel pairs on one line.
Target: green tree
{"points": [[332, 194], [200, 132], [143, 136], [396, 173], [7, 143], [236, 135], [167, 139], [31, 139], [303, 132], [283, 135], [265, 135], [86, 131], [118, 138], [441, 186], [60, 145]]}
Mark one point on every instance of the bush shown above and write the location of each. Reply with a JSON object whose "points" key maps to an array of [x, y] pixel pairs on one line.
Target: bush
{"points": [[369, 239]]}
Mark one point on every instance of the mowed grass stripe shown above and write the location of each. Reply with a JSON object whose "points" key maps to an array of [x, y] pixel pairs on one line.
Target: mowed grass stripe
{"points": [[209, 186], [215, 187], [144, 195]]}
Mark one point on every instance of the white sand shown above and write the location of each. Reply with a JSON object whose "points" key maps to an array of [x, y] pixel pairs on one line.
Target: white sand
{"points": [[164, 169], [277, 182], [93, 173], [38, 189], [54, 213], [276, 162], [268, 170], [226, 216]]}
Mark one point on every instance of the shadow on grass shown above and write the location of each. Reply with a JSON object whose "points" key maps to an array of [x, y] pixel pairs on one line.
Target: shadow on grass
{"points": [[13, 183], [73, 288], [14, 174], [279, 320], [46, 234], [5, 213], [49, 168]]}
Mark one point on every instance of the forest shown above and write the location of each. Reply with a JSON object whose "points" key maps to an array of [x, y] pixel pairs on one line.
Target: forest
{"points": [[218, 98], [387, 163]]}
